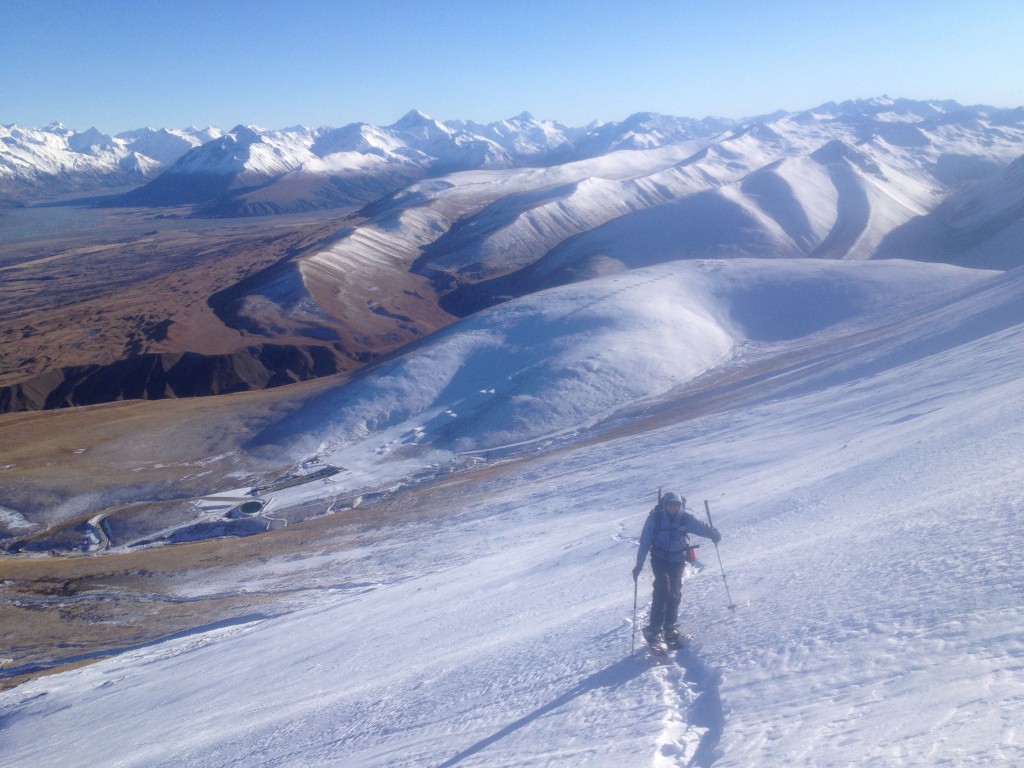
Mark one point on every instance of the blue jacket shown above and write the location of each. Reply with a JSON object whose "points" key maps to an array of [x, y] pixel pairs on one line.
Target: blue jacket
{"points": [[667, 538]]}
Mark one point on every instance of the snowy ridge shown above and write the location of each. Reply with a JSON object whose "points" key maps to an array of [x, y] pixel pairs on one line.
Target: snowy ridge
{"points": [[58, 160], [765, 196], [563, 359], [957, 143], [246, 150]]}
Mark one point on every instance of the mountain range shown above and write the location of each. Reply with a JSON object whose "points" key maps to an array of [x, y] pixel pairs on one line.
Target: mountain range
{"points": [[307, 168], [359, 162], [440, 220], [40, 164]]}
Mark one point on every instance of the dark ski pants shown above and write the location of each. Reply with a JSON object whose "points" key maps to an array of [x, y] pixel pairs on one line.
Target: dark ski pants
{"points": [[668, 591]]}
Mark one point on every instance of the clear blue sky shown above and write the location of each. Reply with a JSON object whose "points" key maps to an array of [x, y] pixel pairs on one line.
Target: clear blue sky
{"points": [[119, 65]]}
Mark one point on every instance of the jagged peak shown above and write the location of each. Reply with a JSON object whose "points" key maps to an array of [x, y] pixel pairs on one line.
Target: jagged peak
{"points": [[245, 134], [413, 119], [833, 151], [89, 140], [91, 133]]}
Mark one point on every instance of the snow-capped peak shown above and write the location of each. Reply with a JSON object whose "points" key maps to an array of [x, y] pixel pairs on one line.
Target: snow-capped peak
{"points": [[417, 145], [420, 123]]}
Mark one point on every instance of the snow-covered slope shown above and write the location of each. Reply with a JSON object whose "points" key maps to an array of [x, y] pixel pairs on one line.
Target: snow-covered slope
{"points": [[982, 225], [564, 359], [863, 466]]}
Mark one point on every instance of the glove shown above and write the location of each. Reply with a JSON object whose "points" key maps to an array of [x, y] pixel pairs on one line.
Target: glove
{"points": [[715, 535], [636, 572]]}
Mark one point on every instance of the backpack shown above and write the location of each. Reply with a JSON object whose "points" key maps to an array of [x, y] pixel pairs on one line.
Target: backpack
{"points": [[691, 550]]}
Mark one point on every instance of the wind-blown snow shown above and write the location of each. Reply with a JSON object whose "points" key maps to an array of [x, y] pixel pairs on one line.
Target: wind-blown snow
{"points": [[861, 457]]}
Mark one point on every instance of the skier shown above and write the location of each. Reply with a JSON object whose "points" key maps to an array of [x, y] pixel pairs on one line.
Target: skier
{"points": [[665, 537]]}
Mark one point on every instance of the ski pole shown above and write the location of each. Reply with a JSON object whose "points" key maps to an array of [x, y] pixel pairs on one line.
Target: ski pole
{"points": [[636, 585], [732, 605], [632, 642]]}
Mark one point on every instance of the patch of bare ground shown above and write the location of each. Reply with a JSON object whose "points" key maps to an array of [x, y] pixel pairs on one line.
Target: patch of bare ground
{"points": [[115, 291], [61, 612], [107, 312], [193, 444], [57, 612]]}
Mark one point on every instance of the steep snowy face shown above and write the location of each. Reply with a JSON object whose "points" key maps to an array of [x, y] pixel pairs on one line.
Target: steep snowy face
{"points": [[247, 150], [980, 226], [989, 206], [166, 145], [90, 142], [361, 138]]}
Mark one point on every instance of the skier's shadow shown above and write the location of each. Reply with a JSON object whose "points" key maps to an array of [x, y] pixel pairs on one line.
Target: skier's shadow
{"points": [[614, 676]]}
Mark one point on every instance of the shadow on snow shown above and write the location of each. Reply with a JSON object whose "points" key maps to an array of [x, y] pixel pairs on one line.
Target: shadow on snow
{"points": [[705, 711], [614, 676]]}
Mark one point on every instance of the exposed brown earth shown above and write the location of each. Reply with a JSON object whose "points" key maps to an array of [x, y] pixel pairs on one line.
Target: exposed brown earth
{"points": [[59, 611], [149, 304], [193, 445]]}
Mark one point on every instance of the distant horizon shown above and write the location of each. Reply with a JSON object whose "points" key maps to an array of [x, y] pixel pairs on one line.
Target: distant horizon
{"points": [[122, 66], [595, 122]]}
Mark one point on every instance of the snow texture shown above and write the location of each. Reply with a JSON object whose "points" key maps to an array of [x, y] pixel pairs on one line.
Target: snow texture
{"points": [[856, 428]]}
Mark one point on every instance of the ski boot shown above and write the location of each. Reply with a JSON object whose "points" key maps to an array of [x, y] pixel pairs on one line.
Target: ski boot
{"points": [[673, 639], [654, 641], [651, 635]]}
